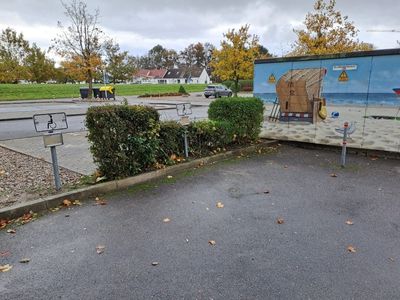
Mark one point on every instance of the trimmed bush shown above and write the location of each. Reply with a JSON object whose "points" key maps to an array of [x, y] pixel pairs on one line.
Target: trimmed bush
{"points": [[208, 136], [182, 90], [124, 139], [244, 114], [170, 141]]}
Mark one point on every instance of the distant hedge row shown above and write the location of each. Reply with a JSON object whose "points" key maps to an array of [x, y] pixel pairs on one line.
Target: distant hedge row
{"points": [[244, 85], [128, 140]]}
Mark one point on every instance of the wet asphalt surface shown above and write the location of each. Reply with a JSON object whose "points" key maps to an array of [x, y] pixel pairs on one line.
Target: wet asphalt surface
{"points": [[306, 257]]}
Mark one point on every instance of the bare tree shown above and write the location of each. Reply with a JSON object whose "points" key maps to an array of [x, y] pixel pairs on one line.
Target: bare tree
{"points": [[81, 40]]}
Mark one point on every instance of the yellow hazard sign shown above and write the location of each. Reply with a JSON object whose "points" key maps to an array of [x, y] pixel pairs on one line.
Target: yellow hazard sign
{"points": [[343, 76], [271, 78]]}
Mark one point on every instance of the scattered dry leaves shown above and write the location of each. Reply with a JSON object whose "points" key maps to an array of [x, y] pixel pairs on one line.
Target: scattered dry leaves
{"points": [[220, 205], [3, 223], [349, 222], [5, 268], [280, 221], [351, 249], [66, 203], [77, 202], [100, 249], [212, 242], [100, 201], [373, 157], [54, 209]]}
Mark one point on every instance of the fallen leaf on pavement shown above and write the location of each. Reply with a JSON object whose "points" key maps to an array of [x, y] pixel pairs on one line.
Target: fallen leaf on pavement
{"points": [[2, 172], [266, 192], [285, 167], [11, 231], [100, 249], [351, 249], [100, 201], [155, 263], [391, 258], [220, 205], [77, 202], [5, 268], [373, 157], [66, 203], [212, 242], [349, 222], [24, 260], [3, 223], [98, 179], [333, 175], [166, 220], [169, 176], [54, 209], [280, 221]]}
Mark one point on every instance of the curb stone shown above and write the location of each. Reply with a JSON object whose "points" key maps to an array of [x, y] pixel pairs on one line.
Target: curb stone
{"points": [[42, 205]]}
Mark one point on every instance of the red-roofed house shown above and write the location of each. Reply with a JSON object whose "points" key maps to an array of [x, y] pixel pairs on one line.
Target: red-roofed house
{"points": [[150, 76]]}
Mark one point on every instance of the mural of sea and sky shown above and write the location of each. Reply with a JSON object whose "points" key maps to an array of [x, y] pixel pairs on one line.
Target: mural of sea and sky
{"points": [[360, 88]]}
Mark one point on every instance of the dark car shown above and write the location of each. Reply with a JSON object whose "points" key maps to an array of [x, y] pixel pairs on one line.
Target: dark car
{"points": [[217, 91]]}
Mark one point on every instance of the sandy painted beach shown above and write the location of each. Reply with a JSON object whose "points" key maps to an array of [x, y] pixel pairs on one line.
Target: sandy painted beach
{"points": [[370, 133]]}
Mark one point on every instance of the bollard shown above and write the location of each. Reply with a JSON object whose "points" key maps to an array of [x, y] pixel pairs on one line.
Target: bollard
{"points": [[344, 144], [186, 143]]}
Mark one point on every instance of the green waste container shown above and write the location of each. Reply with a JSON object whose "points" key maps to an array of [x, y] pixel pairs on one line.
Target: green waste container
{"points": [[107, 92]]}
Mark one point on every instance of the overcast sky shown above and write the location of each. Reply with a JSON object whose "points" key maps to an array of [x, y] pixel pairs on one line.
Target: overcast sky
{"points": [[139, 25]]}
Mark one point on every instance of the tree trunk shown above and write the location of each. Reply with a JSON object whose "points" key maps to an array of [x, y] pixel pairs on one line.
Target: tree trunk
{"points": [[90, 80], [236, 87]]}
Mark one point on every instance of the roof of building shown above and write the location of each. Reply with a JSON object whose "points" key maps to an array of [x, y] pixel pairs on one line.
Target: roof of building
{"points": [[193, 72], [151, 73]]}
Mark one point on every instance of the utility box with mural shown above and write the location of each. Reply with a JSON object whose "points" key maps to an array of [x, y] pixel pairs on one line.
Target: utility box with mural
{"points": [[309, 98]]}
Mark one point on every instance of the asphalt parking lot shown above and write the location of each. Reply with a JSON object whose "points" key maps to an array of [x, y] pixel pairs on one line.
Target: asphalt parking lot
{"points": [[238, 251]]}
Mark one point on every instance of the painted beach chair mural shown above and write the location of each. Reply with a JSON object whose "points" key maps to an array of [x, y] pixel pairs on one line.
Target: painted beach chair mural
{"points": [[299, 95], [308, 104]]}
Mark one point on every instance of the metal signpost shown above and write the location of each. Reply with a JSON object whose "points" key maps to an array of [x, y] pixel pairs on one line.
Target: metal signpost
{"points": [[49, 123], [184, 110], [344, 143]]}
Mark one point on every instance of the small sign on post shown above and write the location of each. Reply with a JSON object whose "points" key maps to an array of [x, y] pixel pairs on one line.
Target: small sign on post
{"points": [[49, 123], [184, 110]]}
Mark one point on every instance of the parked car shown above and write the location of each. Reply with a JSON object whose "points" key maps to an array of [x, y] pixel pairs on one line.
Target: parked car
{"points": [[217, 91]]}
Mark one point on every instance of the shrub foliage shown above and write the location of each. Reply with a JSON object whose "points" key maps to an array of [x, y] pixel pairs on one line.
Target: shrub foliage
{"points": [[124, 139], [244, 114], [127, 140]]}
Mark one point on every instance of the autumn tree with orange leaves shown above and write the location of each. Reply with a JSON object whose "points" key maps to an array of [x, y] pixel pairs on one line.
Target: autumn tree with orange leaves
{"points": [[80, 43], [327, 32], [235, 59]]}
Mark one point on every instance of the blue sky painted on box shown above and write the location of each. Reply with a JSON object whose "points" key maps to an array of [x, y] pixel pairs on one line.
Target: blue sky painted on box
{"points": [[385, 74]]}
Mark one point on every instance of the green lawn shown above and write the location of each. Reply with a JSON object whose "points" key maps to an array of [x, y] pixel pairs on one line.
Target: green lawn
{"points": [[54, 91]]}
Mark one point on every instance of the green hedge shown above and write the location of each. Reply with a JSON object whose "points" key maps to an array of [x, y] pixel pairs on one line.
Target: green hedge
{"points": [[206, 136], [127, 140], [244, 114], [124, 139]]}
